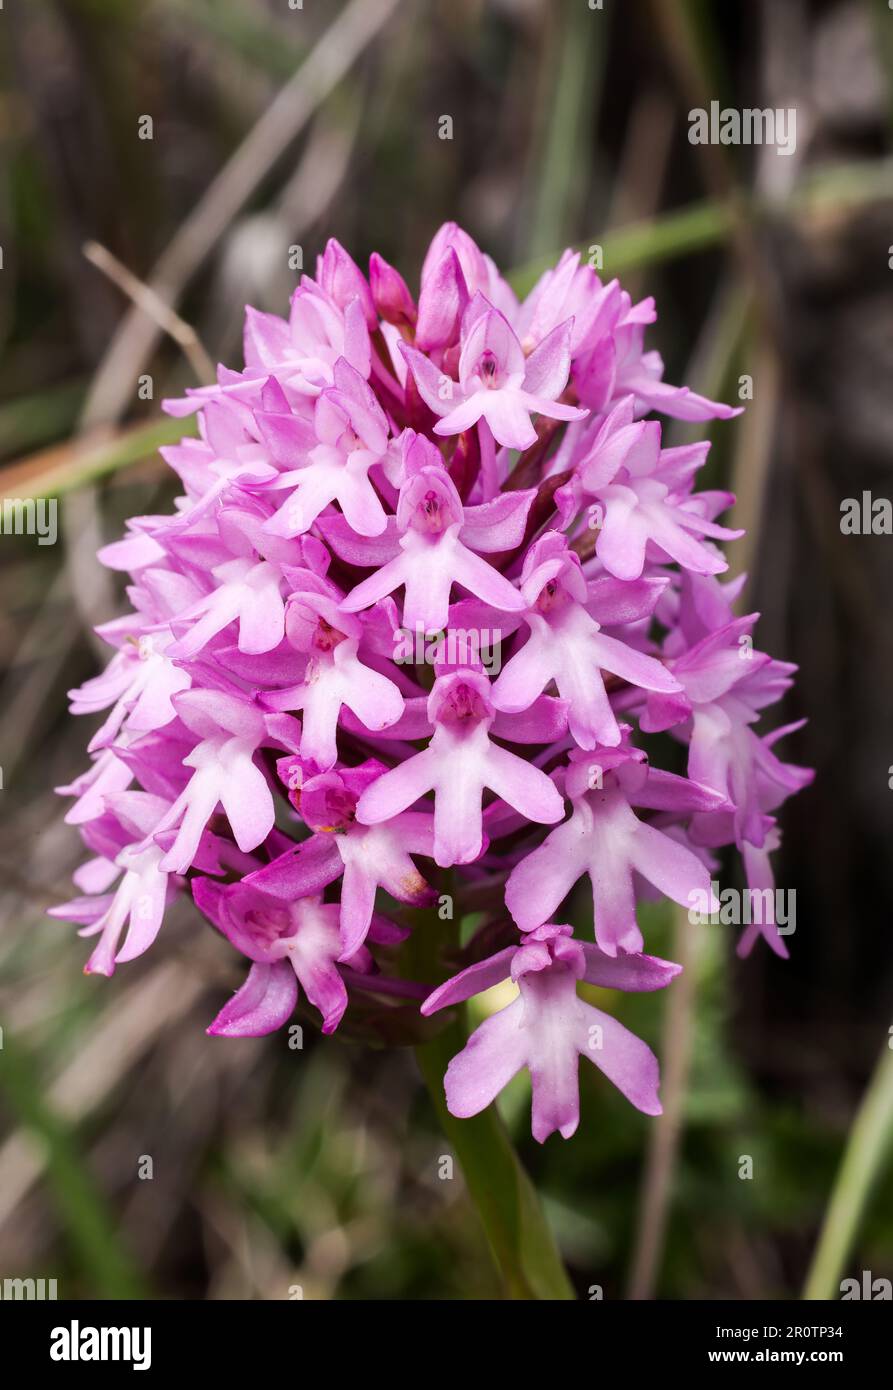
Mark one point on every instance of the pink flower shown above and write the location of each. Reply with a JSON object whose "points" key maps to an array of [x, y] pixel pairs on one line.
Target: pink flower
{"points": [[226, 774], [566, 643], [606, 840], [496, 383], [289, 943], [431, 544], [458, 764], [548, 1028], [331, 673], [368, 857], [330, 462]]}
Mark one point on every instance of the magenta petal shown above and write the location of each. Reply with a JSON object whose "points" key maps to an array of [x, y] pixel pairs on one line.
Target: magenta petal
{"points": [[544, 720], [627, 972], [324, 988], [430, 381], [265, 1001], [442, 300], [302, 871], [473, 980]]}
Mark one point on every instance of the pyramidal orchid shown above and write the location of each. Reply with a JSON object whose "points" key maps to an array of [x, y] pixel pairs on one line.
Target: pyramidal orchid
{"points": [[433, 604]]}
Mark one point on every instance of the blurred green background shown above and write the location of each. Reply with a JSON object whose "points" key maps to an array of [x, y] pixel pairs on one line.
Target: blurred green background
{"points": [[276, 127]]}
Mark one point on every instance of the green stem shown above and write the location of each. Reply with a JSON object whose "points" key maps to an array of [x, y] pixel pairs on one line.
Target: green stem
{"points": [[88, 460], [870, 1138], [563, 162], [86, 1219], [709, 223], [507, 1203], [27, 422]]}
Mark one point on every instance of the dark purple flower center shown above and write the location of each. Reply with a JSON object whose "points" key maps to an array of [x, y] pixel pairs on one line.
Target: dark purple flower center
{"points": [[551, 596], [463, 707], [488, 369], [326, 637], [430, 513]]}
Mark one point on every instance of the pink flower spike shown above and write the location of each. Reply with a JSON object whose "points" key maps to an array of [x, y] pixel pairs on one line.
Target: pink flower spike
{"points": [[434, 524]]}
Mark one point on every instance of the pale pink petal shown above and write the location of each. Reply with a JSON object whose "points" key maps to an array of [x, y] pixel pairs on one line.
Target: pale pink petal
{"points": [[473, 980], [523, 786], [627, 972], [525, 676], [247, 801], [624, 1058], [485, 582], [539, 883], [672, 868], [508, 417], [494, 1053], [397, 789], [548, 366]]}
